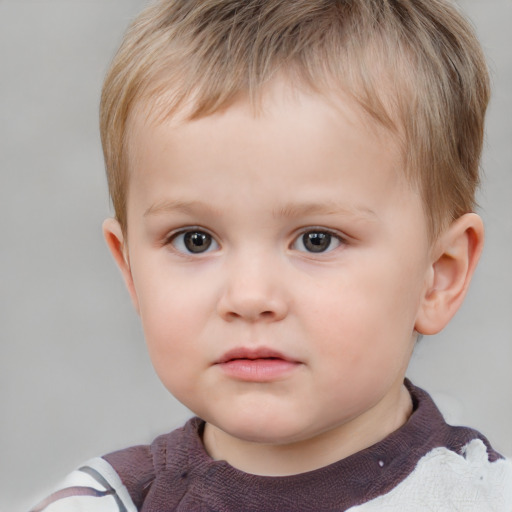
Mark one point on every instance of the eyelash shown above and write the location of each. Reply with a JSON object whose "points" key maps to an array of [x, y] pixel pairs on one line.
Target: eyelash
{"points": [[333, 236], [171, 240], [327, 236]]}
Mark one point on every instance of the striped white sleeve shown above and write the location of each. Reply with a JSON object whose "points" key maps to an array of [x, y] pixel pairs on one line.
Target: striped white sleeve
{"points": [[94, 487]]}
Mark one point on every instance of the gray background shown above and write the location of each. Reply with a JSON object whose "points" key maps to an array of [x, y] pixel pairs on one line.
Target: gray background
{"points": [[75, 378]]}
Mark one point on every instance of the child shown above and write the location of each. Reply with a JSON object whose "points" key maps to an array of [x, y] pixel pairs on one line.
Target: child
{"points": [[294, 182]]}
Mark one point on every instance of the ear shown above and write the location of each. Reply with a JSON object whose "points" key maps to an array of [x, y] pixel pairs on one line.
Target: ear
{"points": [[116, 243], [455, 256]]}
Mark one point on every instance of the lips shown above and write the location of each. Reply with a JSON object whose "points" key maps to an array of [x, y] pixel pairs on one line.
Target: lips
{"points": [[256, 365], [252, 355]]}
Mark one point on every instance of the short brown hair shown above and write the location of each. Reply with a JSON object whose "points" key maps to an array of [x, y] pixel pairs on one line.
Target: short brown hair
{"points": [[414, 65]]}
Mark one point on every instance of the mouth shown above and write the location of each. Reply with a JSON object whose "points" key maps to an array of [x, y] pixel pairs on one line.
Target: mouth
{"points": [[256, 365], [252, 355]]}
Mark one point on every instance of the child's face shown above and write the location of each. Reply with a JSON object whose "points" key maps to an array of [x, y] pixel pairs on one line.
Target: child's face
{"points": [[279, 262]]}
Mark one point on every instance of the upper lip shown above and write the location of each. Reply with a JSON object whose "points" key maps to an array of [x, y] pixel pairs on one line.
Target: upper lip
{"points": [[252, 353]]}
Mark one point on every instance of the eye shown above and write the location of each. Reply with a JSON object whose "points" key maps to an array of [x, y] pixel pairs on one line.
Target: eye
{"points": [[316, 241], [193, 242]]}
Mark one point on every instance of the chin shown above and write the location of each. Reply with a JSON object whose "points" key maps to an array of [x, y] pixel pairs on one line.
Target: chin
{"points": [[272, 431]]}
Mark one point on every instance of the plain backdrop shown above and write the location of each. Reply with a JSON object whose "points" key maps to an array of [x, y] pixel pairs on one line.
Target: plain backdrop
{"points": [[75, 379]]}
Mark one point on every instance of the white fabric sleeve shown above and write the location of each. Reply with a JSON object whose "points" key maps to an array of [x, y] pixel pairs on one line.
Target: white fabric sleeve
{"points": [[444, 481], [94, 487]]}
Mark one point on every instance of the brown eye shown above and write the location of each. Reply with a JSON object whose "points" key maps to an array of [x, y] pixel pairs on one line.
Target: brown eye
{"points": [[197, 241], [317, 242], [193, 242]]}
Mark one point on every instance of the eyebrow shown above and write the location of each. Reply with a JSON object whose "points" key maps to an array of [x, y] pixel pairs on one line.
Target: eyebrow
{"points": [[325, 208], [287, 211], [186, 207]]}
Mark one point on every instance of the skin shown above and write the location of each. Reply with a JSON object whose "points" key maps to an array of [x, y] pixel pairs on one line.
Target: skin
{"points": [[345, 318]]}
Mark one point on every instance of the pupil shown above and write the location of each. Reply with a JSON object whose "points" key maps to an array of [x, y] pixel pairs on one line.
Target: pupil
{"points": [[316, 242], [196, 241]]}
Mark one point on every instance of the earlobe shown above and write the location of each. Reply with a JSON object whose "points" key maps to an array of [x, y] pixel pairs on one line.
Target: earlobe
{"points": [[455, 256], [116, 243]]}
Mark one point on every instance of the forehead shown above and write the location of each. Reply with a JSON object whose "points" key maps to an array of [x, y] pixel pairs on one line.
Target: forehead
{"points": [[268, 104], [295, 151]]}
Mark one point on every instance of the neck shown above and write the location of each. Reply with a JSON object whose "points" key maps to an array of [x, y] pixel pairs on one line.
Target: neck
{"points": [[312, 453]]}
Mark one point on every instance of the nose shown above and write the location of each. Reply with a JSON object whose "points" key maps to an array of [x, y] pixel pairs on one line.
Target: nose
{"points": [[253, 291]]}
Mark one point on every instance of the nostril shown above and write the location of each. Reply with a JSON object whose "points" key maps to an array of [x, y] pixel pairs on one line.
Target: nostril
{"points": [[262, 315], [240, 304]]}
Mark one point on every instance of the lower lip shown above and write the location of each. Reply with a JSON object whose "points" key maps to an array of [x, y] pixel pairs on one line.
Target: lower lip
{"points": [[258, 370]]}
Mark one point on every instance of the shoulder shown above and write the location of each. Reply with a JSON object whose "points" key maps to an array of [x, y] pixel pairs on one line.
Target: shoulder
{"points": [[451, 468], [139, 466], [444, 480], [121, 480], [95, 487]]}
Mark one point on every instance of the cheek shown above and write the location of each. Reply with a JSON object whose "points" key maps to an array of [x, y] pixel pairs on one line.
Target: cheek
{"points": [[363, 344], [173, 319], [169, 300], [367, 315], [173, 349]]}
